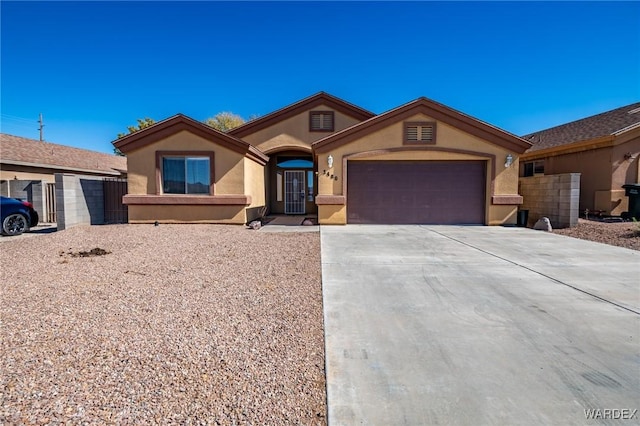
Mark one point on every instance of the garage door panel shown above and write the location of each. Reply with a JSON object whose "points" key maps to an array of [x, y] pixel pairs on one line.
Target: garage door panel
{"points": [[429, 192]]}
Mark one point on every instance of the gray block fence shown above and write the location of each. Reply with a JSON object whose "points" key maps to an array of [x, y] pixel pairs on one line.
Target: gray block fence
{"points": [[79, 200], [554, 196], [27, 190]]}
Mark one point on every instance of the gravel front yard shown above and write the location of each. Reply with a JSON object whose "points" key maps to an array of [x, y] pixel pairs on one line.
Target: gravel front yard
{"points": [[621, 234], [189, 324]]}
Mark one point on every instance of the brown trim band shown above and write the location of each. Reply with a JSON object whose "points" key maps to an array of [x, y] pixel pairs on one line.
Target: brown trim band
{"points": [[506, 199], [219, 200], [331, 200], [281, 148]]}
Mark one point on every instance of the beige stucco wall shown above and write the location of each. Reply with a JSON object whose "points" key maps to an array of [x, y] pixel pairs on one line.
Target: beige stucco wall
{"points": [[234, 175], [229, 165], [294, 132], [603, 172], [594, 167], [182, 214], [448, 138], [13, 171], [625, 169], [21, 175], [254, 182]]}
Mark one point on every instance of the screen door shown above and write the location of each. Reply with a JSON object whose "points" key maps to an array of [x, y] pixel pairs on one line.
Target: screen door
{"points": [[294, 192]]}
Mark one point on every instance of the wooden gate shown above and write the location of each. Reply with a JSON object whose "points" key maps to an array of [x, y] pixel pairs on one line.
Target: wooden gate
{"points": [[50, 203], [114, 211]]}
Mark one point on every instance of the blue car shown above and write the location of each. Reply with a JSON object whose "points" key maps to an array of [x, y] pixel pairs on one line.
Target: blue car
{"points": [[16, 216]]}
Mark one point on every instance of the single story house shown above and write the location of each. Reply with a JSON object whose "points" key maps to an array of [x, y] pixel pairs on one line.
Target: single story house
{"points": [[422, 162], [603, 148], [30, 159], [28, 168]]}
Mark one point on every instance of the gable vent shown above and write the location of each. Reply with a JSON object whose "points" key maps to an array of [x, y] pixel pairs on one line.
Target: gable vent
{"points": [[321, 121], [417, 133]]}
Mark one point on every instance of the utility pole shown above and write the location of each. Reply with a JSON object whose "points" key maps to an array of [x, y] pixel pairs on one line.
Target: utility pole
{"points": [[41, 128]]}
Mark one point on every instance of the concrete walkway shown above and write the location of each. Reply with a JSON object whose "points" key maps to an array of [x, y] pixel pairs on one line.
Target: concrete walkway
{"points": [[478, 325]]}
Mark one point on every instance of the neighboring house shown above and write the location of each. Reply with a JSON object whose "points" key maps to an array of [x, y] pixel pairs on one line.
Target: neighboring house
{"points": [[26, 164], [603, 148], [29, 159], [420, 163]]}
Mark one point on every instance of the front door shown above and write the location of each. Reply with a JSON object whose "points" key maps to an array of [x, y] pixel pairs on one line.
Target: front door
{"points": [[294, 192]]}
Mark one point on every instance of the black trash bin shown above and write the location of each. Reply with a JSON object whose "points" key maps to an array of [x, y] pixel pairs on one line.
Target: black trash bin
{"points": [[523, 218], [632, 190]]}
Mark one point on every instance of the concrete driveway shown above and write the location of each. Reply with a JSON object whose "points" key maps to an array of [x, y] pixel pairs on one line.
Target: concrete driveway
{"points": [[479, 325]]}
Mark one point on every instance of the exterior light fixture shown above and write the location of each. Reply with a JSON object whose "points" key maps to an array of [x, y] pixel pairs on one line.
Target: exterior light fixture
{"points": [[508, 161], [330, 161]]}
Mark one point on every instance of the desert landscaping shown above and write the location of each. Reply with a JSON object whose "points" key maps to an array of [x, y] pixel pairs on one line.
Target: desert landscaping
{"points": [[193, 324], [189, 324], [621, 234]]}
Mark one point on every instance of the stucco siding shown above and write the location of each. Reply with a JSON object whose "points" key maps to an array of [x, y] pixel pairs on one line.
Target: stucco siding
{"points": [[294, 131], [191, 214], [254, 182], [605, 165], [595, 168], [229, 165], [626, 163], [229, 179], [10, 173], [451, 144], [46, 174]]}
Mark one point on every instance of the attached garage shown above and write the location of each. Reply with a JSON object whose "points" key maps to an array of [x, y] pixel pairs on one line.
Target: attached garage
{"points": [[416, 192], [420, 163]]}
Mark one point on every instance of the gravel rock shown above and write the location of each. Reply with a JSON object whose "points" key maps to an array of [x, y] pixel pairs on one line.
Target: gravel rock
{"points": [[621, 234], [188, 324]]}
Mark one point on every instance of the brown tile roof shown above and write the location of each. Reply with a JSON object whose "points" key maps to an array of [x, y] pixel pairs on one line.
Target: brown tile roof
{"points": [[604, 124], [19, 150]]}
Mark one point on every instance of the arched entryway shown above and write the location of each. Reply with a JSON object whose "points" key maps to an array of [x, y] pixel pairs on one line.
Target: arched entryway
{"points": [[291, 183]]}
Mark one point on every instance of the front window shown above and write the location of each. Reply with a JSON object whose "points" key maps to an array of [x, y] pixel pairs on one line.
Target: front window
{"points": [[186, 175]]}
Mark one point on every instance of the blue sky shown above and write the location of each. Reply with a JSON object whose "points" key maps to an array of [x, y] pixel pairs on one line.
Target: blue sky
{"points": [[93, 68]]}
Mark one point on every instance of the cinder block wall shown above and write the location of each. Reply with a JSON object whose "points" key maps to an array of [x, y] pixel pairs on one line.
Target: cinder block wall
{"points": [[554, 196], [28, 190], [79, 200]]}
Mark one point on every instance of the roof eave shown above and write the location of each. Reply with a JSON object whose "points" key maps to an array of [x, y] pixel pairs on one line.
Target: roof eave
{"points": [[579, 146], [111, 172], [434, 110], [296, 108], [626, 129], [181, 122]]}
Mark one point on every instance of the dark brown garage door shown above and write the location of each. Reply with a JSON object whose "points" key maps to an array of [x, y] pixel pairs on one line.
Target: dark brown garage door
{"points": [[408, 192]]}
